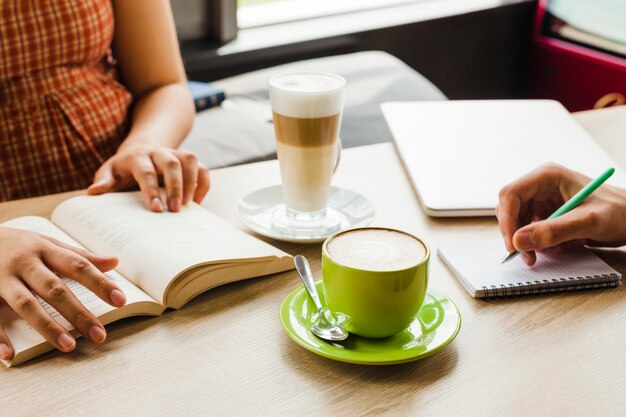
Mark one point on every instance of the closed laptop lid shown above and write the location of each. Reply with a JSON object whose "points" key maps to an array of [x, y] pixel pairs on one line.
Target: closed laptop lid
{"points": [[458, 154]]}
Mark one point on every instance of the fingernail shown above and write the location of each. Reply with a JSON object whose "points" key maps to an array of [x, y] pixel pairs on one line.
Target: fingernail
{"points": [[66, 342], [156, 204], [5, 352], [187, 197], [175, 204], [525, 241], [97, 334], [117, 297]]}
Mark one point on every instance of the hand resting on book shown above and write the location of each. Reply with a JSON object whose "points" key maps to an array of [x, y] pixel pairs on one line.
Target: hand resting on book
{"points": [[191, 260], [525, 204], [185, 178], [31, 262]]}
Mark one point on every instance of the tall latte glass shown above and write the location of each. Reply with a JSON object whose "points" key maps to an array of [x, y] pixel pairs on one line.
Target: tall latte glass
{"points": [[307, 108]]}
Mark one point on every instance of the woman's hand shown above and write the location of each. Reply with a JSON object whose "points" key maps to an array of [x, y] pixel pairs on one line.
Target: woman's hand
{"points": [[184, 177], [526, 203], [31, 262]]}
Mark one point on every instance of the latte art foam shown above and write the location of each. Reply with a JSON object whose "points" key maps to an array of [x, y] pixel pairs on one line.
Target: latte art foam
{"points": [[376, 250]]}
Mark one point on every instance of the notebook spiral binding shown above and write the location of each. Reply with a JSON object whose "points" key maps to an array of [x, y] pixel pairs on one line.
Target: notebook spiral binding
{"points": [[545, 286]]}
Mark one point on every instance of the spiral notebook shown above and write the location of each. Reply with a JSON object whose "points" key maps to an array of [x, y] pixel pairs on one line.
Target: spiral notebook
{"points": [[477, 265]]}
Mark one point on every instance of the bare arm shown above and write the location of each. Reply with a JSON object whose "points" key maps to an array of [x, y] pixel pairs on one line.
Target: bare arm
{"points": [[146, 48]]}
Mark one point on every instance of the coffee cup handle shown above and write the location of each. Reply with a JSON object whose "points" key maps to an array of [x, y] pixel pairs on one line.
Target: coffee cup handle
{"points": [[338, 155]]}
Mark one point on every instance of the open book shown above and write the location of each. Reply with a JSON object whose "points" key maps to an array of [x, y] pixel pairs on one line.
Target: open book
{"points": [[165, 259], [478, 267]]}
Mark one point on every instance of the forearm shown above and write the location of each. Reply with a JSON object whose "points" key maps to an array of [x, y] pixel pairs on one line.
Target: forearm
{"points": [[151, 68], [162, 116]]}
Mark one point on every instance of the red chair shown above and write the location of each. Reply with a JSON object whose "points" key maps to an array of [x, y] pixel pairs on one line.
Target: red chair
{"points": [[577, 75]]}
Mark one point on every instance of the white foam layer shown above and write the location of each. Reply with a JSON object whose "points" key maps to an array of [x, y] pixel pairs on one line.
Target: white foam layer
{"points": [[376, 250], [307, 94]]}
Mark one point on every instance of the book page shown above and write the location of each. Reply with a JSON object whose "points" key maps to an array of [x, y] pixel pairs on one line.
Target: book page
{"points": [[478, 264], [21, 334], [153, 248]]}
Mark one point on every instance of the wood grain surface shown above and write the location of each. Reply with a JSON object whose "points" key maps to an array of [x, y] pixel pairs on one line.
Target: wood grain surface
{"points": [[225, 353]]}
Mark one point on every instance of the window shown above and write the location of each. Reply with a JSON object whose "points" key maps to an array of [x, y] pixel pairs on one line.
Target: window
{"points": [[251, 2], [220, 19], [254, 13], [197, 19]]}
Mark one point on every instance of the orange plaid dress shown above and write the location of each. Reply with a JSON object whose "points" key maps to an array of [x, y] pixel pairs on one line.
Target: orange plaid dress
{"points": [[62, 111]]}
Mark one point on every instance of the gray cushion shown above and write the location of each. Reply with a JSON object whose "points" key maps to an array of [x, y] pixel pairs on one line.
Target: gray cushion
{"points": [[241, 131]]}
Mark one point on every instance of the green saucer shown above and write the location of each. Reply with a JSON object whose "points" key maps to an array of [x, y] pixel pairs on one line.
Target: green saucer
{"points": [[437, 324]]}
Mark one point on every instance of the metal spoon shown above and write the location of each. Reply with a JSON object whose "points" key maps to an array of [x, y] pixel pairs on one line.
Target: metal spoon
{"points": [[322, 328]]}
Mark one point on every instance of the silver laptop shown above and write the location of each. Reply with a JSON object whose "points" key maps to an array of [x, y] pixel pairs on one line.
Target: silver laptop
{"points": [[458, 154]]}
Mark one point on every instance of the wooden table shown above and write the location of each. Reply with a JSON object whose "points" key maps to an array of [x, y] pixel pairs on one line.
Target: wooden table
{"points": [[225, 353]]}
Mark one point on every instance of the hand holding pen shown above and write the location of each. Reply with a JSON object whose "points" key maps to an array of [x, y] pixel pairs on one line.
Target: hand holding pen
{"points": [[532, 219]]}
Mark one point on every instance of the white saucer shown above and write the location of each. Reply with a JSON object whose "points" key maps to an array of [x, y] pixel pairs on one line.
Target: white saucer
{"points": [[257, 208]]}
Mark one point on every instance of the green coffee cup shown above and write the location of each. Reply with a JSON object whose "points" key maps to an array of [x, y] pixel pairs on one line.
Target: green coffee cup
{"points": [[370, 302]]}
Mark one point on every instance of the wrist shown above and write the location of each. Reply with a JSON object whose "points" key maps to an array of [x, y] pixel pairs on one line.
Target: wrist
{"points": [[135, 141]]}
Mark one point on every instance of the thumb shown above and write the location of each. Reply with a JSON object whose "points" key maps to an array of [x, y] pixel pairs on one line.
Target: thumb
{"points": [[103, 181], [551, 232]]}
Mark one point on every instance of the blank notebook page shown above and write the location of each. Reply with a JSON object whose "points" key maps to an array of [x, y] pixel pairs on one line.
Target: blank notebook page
{"points": [[478, 266]]}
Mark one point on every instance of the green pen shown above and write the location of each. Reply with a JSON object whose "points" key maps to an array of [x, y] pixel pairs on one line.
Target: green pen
{"points": [[573, 202]]}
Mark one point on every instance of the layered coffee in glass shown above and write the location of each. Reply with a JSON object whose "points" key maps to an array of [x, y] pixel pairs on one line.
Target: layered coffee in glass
{"points": [[307, 109]]}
